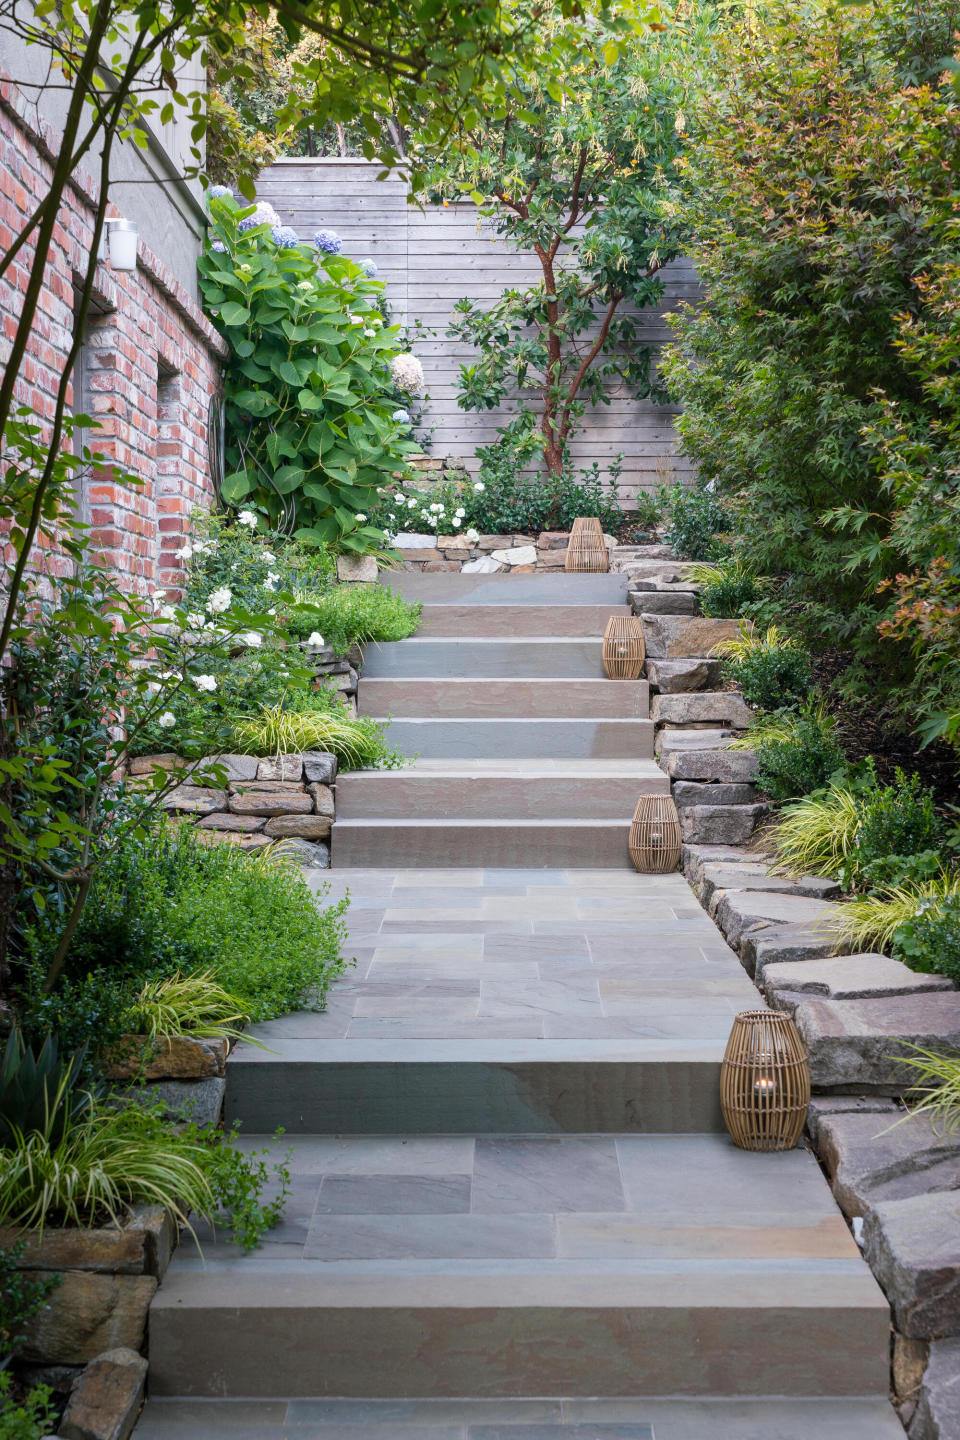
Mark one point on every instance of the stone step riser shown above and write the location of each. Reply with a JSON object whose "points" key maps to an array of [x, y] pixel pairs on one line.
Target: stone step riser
{"points": [[509, 589], [664, 1095], [522, 739], [395, 795], [568, 844], [285, 1349], [509, 620], [466, 699], [523, 659]]}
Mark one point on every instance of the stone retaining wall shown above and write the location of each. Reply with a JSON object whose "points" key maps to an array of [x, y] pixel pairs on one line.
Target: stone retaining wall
{"points": [[488, 554]]}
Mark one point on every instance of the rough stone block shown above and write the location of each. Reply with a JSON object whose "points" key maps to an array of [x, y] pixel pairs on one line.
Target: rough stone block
{"points": [[319, 767], [306, 827], [92, 1313], [198, 1100], [822, 1107], [908, 1362], [720, 824], [675, 637], [323, 800], [142, 1246], [848, 977], [267, 787], [271, 804], [716, 878], [871, 1158], [695, 856], [937, 1415], [146, 764], [226, 820], [743, 910], [665, 602], [853, 1045], [696, 736], [717, 707], [444, 566], [516, 555], [711, 763], [679, 676], [705, 792], [357, 569], [237, 767], [171, 1057], [194, 799], [411, 540], [913, 1248], [485, 565], [760, 948], [281, 767], [107, 1398], [308, 854], [553, 539]]}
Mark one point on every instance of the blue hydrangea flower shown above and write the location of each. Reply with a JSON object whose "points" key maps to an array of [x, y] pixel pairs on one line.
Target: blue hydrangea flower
{"points": [[218, 245], [285, 236], [328, 241], [218, 192], [369, 268], [401, 417], [264, 214]]}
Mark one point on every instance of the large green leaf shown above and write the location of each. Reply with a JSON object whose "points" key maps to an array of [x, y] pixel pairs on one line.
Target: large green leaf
{"points": [[288, 478], [234, 314], [235, 487]]}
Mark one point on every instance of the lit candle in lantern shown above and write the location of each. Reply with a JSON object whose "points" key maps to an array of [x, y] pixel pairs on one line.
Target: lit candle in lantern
{"points": [[764, 1088]]}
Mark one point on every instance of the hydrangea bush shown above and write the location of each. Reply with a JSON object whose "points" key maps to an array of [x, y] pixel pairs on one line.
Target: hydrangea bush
{"points": [[311, 378]]}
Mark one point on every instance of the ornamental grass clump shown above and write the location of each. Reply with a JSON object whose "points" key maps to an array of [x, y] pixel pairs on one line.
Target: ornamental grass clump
{"points": [[814, 835], [870, 922], [281, 730], [771, 669], [195, 1005], [726, 588]]}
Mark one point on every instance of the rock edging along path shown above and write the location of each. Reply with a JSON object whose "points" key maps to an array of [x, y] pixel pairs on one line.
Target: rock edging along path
{"points": [[512, 1193]]}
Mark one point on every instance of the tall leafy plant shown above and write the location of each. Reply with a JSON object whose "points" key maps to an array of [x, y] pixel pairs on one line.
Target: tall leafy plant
{"points": [[577, 178]]}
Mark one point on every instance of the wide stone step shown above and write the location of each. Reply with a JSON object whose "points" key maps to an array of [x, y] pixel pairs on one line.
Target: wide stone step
{"points": [[522, 739], [462, 699], [498, 1267], [494, 620], [448, 588], [642, 1418], [488, 789], [569, 843], [523, 658]]}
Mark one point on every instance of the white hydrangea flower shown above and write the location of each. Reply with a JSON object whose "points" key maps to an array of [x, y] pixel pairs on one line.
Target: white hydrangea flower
{"points": [[269, 558], [370, 334], [315, 639], [167, 719], [360, 516], [252, 639], [271, 581], [479, 487], [407, 374], [247, 517], [219, 600], [205, 682]]}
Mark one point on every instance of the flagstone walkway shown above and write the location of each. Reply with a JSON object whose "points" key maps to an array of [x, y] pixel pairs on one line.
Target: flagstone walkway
{"points": [[515, 1214]]}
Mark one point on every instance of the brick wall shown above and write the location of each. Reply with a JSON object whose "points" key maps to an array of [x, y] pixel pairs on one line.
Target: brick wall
{"points": [[150, 366]]}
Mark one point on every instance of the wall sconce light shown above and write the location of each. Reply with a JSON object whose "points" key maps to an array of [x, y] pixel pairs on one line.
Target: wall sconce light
{"points": [[122, 241]]}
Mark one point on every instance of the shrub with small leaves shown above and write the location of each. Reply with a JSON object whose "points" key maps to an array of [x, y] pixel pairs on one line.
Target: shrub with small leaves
{"points": [[31, 1418], [803, 760], [898, 820], [772, 677], [930, 940], [697, 520]]}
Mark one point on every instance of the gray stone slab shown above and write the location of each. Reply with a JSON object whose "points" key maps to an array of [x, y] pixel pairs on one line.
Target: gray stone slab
{"points": [[847, 977], [521, 658], [720, 824], [887, 1156], [913, 1248], [663, 602], [717, 707], [719, 877], [670, 637], [681, 676], [782, 943], [711, 762], [853, 1045], [431, 1237], [562, 1174], [743, 910], [522, 739], [393, 1195], [704, 792], [822, 1107], [937, 1415]]}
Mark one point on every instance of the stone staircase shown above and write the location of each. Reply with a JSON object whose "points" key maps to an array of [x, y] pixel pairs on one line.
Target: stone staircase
{"points": [[514, 1212]]}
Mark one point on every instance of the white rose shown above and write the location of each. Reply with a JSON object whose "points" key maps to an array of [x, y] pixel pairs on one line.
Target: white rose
{"points": [[247, 517], [251, 638], [185, 551], [479, 487], [456, 522], [205, 682], [219, 600], [195, 620], [315, 639], [167, 719], [473, 535]]}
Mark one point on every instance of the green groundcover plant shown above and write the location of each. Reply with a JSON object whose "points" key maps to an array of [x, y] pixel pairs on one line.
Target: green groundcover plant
{"points": [[797, 753]]}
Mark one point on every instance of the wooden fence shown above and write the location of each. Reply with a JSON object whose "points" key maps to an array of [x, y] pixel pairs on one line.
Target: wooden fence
{"points": [[432, 257]]}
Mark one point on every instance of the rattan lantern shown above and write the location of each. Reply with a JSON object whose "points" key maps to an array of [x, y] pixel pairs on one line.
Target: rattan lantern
{"points": [[587, 549], [623, 649], [764, 1081], [655, 837]]}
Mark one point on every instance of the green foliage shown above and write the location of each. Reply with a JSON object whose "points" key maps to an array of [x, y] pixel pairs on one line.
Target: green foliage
{"points": [[355, 614], [870, 922], [819, 376], [512, 504], [39, 1091], [576, 175], [23, 1296], [186, 1005], [929, 941], [802, 760], [308, 384], [727, 588], [771, 676], [357, 743], [814, 836], [697, 520], [899, 822], [238, 1178], [31, 1418], [938, 1078], [256, 565]]}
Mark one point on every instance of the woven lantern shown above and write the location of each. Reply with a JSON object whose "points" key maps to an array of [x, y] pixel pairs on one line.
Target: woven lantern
{"points": [[764, 1082], [587, 549], [623, 649], [655, 837]]}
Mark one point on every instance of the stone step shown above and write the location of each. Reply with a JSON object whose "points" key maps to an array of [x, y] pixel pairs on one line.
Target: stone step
{"points": [[522, 739], [488, 789], [518, 1266], [460, 699], [724, 708], [766, 1418], [569, 843], [566, 620], [508, 589], [518, 658]]}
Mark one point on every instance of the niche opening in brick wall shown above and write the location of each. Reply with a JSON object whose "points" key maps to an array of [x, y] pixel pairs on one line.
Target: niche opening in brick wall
{"points": [[97, 337]]}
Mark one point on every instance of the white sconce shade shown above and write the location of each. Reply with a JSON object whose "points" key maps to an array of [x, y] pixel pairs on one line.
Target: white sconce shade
{"points": [[122, 239]]}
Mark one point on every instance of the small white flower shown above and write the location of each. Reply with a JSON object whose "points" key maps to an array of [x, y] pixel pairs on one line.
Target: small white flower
{"points": [[479, 487], [370, 334], [247, 517], [360, 516], [315, 639], [460, 511], [157, 598], [219, 600], [356, 319], [205, 682], [185, 551], [473, 535], [271, 581], [411, 503], [167, 612], [269, 558], [304, 284], [391, 517], [167, 719], [195, 620], [436, 509], [711, 485], [252, 639], [456, 522]]}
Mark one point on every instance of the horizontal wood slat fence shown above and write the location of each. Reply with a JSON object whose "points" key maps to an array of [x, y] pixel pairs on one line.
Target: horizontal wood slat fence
{"points": [[429, 259]]}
